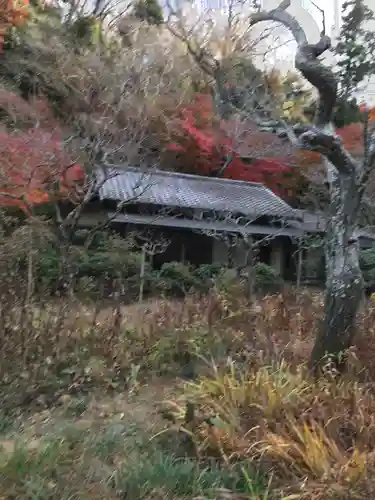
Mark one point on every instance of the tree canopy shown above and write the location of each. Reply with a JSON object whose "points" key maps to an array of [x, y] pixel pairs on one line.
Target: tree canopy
{"points": [[155, 100]]}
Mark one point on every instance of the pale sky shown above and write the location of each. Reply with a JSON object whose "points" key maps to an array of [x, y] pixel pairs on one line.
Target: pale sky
{"points": [[327, 5], [286, 52], [329, 11]]}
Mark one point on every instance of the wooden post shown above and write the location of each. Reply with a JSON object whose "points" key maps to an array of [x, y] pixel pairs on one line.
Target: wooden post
{"points": [[231, 257], [30, 266], [142, 274], [248, 241], [299, 271], [299, 265], [183, 252]]}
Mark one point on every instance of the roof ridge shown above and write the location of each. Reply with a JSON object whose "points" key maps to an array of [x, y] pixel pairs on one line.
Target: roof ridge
{"points": [[181, 175], [227, 194]]}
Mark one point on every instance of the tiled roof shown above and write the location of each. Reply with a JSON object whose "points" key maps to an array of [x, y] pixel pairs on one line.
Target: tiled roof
{"points": [[190, 191]]}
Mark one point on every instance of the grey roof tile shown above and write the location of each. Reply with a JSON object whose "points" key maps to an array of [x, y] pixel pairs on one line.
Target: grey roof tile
{"points": [[190, 191]]}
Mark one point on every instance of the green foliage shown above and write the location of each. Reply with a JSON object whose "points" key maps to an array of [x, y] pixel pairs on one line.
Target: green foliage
{"points": [[182, 478], [6, 422], [355, 61], [112, 257], [30, 64], [346, 112], [69, 462], [108, 260], [86, 30], [238, 78], [177, 278], [356, 47], [367, 263], [149, 11], [48, 265], [45, 57], [207, 272], [266, 277]]}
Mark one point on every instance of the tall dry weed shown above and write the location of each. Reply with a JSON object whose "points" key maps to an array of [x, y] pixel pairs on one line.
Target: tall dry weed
{"points": [[316, 436]]}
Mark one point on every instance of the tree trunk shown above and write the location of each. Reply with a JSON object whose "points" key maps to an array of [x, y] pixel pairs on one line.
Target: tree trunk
{"points": [[231, 252], [344, 282], [142, 274], [342, 299], [250, 282]]}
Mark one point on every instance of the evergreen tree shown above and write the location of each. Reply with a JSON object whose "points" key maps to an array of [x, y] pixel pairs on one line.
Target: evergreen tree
{"points": [[149, 11], [355, 51], [356, 47]]}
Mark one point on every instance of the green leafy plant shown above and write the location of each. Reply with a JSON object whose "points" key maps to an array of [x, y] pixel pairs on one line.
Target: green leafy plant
{"points": [[178, 278], [367, 263], [207, 272], [266, 277], [109, 259]]}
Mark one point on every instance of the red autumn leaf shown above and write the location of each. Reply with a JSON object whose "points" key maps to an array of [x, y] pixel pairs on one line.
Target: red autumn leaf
{"points": [[201, 143], [31, 163]]}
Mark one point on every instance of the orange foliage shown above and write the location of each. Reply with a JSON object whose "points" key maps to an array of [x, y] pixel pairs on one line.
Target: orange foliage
{"points": [[370, 111], [352, 136], [34, 169], [12, 13], [34, 166]]}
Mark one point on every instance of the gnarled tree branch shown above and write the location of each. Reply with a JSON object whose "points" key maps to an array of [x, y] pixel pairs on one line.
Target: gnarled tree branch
{"points": [[307, 62], [330, 146], [321, 136]]}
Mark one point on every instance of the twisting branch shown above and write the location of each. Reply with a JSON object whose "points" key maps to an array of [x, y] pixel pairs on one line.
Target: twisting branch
{"points": [[320, 137], [330, 146], [307, 62], [323, 14]]}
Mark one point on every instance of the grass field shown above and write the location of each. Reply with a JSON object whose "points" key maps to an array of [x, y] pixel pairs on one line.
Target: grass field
{"points": [[196, 399]]}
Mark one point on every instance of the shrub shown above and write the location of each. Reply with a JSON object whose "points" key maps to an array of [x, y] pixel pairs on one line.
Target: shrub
{"points": [[367, 263], [109, 263], [207, 272], [178, 278], [266, 278]]}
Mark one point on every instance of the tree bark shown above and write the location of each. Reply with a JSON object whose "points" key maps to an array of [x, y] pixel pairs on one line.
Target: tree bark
{"points": [[250, 281]]}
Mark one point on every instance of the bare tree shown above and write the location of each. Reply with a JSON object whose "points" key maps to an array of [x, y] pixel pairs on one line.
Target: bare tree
{"points": [[149, 246], [347, 180], [221, 44], [225, 52]]}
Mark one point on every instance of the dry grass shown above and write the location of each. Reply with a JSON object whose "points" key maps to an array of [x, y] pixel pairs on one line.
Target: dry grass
{"points": [[255, 407], [261, 408]]}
